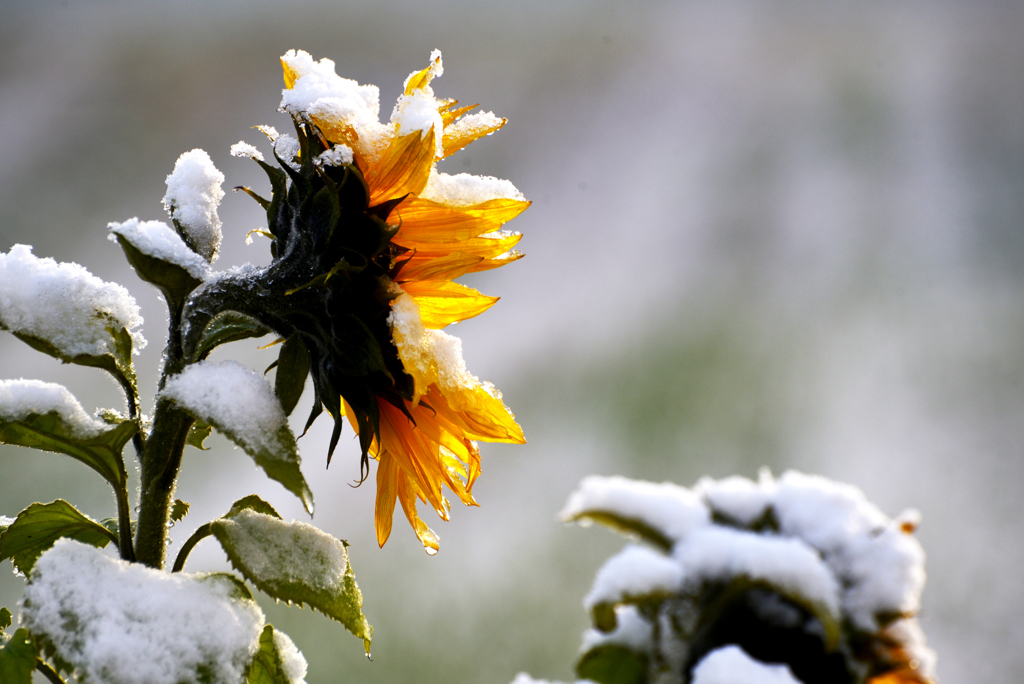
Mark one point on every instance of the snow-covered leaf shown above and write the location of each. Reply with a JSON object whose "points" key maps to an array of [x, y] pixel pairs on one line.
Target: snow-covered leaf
{"points": [[17, 658], [613, 664], [37, 527], [175, 280], [45, 416], [292, 369], [228, 326], [252, 503], [277, 661], [297, 563], [241, 405], [183, 629], [66, 312]]}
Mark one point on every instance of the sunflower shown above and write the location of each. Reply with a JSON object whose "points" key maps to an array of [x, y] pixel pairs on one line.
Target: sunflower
{"points": [[368, 239]]}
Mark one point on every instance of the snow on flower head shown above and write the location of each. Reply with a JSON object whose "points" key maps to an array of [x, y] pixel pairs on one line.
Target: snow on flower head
{"points": [[368, 243]]}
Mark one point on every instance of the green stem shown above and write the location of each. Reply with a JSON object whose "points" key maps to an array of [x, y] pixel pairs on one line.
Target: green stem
{"points": [[49, 672], [161, 458], [199, 535], [124, 524], [160, 464]]}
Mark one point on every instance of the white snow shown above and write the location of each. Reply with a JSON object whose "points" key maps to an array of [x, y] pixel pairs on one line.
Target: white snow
{"points": [[193, 194], [430, 356], [721, 553], [158, 240], [123, 623], [737, 498], [232, 397], [320, 92], [732, 665], [63, 304], [292, 661], [464, 189], [474, 123], [20, 399], [244, 149], [336, 156], [668, 508], [634, 572], [882, 564], [287, 148], [270, 547]]}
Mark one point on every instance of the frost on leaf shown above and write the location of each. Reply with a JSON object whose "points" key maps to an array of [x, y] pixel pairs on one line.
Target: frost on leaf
{"points": [[278, 660], [45, 416], [297, 563], [242, 406], [119, 622], [193, 194], [66, 312]]}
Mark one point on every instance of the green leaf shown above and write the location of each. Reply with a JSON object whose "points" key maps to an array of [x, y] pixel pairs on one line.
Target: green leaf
{"points": [[49, 432], [613, 664], [297, 563], [632, 527], [118, 362], [179, 509], [267, 667], [279, 459], [292, 369], [172, 279], [252, 503], [228, 326], [197, 435], [18, 658], [37, 527], [5, 619]]}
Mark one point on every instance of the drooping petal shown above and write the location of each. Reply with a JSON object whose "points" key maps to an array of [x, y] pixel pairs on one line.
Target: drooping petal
{"points": [[402, 169], [424, 220], [468, 129]]}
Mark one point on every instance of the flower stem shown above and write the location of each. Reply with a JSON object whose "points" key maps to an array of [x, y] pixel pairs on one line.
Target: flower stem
{"points": [[161, 458]]}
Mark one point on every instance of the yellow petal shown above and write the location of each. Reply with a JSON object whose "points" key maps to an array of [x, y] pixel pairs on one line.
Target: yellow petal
{"points": [[442, 303], [448, 115], [403, 169], [290, 75], [486, 246], [456, 137], [424, 220], [447, 267], [497, 262], [387, 493]]}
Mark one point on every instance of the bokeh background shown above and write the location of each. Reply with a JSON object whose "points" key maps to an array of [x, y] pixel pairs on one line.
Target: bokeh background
{"points": [[785, 234]]}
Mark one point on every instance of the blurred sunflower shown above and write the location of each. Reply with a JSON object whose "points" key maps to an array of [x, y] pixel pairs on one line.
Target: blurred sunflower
{"points": [[368, 238]]}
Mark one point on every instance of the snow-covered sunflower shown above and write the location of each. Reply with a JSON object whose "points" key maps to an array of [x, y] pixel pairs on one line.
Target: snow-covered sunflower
{"points": [[368, 239]]}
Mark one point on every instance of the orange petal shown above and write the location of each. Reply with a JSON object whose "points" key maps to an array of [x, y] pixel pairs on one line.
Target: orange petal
{"points": [[497, 262], [424, 220], [486, 246], [442, 303], [403, 168], [463, 132], [447, 267], [387, 493], [448, 115], [290, 75]]}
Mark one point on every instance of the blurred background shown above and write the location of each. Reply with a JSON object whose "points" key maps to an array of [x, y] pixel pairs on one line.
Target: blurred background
{"points": [[784, 234]]}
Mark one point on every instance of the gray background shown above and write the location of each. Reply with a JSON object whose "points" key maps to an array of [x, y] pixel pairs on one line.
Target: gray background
{"points": [[763, 234]]}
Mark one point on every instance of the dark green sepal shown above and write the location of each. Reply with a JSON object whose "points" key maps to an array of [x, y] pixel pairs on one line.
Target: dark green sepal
{"points": [[173, 280], [227, 326], [292, 370]]}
